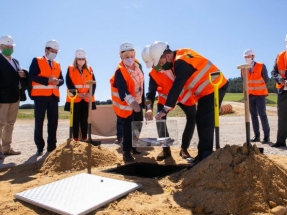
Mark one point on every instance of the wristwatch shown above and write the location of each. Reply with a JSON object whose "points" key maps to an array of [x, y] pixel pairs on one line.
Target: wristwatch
{"points": [[164, 111]]}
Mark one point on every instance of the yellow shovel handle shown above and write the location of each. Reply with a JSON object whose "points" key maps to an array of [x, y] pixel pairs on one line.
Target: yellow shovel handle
{"points": [[72, 98]]}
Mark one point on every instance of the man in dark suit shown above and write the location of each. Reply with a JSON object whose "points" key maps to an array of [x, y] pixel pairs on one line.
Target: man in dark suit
{"points": [[13, 83], [46, 77]]}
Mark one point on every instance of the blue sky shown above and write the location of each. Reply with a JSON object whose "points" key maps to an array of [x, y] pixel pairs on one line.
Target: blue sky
{"points": [[218, 29]]}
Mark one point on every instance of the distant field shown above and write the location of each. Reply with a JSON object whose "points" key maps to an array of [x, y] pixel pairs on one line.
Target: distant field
{"points": [[177, 112], [29, 113]]}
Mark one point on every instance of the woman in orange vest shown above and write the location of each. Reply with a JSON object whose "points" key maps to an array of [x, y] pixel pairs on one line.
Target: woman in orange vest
{"points": [[279, 74], [127, 89], [191, 74], [77, 76], [161, 82]]}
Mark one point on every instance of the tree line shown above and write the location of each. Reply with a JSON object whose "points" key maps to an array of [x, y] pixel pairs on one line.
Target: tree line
{"points": [[235, 85]]}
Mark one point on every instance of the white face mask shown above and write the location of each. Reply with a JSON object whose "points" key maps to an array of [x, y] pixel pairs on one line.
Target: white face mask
{"points": [[51, 56], [81, 62], [248, 60], [286, 46], [129, 61]]}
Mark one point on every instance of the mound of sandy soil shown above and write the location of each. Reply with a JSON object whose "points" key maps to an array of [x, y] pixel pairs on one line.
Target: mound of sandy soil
{"points": [[235, 180], [78, 156]]}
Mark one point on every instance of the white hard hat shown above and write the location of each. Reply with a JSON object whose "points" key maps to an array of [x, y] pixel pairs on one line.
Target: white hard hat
{"points": [[53, 44], [286, 38], [7, 40], [156, 50], [146, 57], [248, 52], [126, 46], [80, 53]]}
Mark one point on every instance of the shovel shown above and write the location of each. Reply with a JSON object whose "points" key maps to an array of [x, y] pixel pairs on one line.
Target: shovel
{"points": [[216, 110], [244, 68], [72, 94], [93, 142]]}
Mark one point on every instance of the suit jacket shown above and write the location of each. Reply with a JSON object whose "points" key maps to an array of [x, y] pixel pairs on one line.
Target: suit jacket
{"points": [[9, 82]]}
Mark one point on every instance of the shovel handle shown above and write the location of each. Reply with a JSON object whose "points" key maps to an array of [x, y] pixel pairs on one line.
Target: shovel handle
{"points": [[70, 94], [214, 74]]}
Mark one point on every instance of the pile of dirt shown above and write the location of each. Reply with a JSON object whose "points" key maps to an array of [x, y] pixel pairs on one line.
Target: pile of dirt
{"points": [[235, 180], [78, 156]]}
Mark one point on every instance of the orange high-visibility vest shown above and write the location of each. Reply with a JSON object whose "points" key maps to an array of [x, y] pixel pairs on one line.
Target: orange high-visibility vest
{"points": [[256, 84], [120, 107], [46, 71], [281, 62], [79, 81], [164, 85], [198, 83]]}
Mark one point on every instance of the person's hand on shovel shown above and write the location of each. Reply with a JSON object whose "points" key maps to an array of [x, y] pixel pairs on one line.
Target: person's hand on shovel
{"points": [[135, 106]]}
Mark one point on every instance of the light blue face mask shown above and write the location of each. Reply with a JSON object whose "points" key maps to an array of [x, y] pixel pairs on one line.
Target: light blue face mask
{"points": [[51, 56], [129, 61]]}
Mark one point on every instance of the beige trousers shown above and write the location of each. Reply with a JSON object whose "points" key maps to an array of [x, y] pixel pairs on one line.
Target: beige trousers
{"points": [[8, 115]]}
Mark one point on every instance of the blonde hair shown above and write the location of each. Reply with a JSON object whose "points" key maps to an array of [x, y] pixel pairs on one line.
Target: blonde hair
{"points": [[85, 66], [128, 51]]}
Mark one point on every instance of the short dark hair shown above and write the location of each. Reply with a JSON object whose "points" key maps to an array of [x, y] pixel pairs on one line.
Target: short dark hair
{"points": [[48, 48]]}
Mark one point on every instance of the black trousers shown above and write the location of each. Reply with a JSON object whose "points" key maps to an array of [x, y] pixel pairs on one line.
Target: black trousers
{"points": [[282, 117], [80, 118], [190, 113], [49, 104], [205, 120], [257, 106], [127, 128]]}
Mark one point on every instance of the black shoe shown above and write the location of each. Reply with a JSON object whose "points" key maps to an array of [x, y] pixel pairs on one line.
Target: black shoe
{"points": [[164, 154], [255, 139], [135, 151], [266, 140], [278, 145], [50, 149], [39, 153], [128, 157]]}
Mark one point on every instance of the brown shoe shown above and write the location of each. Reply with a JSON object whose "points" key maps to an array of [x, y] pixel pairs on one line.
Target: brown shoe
{"points": [[1, 156], [11, 152], [184, 153], [165, 153]]}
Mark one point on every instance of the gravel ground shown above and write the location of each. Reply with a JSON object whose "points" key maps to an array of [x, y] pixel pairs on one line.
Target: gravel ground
{"points": [[232, 132]]}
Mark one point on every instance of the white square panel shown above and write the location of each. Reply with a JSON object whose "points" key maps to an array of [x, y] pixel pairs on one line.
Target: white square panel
{"points": [[79, 194]]}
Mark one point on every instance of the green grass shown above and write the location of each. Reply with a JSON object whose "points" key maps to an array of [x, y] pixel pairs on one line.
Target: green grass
{"points": [[238, 97], [176, 112], [29, 113]]}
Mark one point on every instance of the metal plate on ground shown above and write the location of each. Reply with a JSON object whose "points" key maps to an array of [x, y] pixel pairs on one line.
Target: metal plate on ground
{"points": [[79, 194], [161, 133]]}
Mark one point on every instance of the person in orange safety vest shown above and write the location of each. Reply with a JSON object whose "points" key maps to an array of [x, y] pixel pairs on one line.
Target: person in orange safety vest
{"points": [[46, 77], [279, 74], [191, 72], [161, 82], [127, 89], [257, 77], [77, 76]]}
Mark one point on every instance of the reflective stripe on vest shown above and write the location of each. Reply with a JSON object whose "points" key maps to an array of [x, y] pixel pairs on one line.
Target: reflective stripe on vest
{"points": [[82, 86], [281, 63], [121, 108], [46, 71], [198, 83], [162, 95], [186, 97], [201, 87], [256, 83], [79, 80], [45, 87], [200, 75]]}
